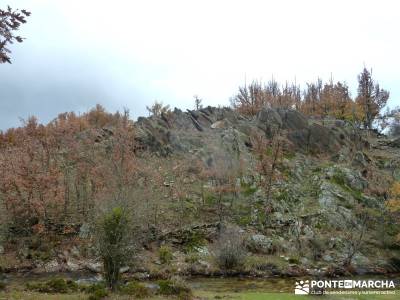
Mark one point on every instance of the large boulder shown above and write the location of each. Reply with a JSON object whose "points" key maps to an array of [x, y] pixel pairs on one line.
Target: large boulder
{"points": [[335, 204], [52, 266], [315, 139], [269, 120], [292, 119], [259, 243], [73, 265]]}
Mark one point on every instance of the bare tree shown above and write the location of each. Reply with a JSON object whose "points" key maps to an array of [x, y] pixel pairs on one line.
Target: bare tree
{"points": [[229, 251], [197, 102], [157, 109], [268, 153], [355, 236]]}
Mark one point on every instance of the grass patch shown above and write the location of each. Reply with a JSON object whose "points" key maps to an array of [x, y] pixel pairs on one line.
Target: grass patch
{"points": [[247, 188], [193, 240], [136, 289], [53, 286], [175, 287], [98, 295]]}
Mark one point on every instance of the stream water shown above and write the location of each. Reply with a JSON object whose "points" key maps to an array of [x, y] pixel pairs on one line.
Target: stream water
{"points": [[228, 285]]}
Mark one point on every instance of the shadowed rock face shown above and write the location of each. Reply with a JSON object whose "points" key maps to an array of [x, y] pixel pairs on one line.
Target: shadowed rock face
{"points": [[224, 128]]}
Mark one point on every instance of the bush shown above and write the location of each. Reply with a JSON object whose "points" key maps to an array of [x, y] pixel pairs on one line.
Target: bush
{"points": [[339, 177], [113, 233], [294, 260], [192, 257], [136, 289], [53, 286], [91, 289], [193, 240], [259, 263], [99, 294], [175, 287], [229, 251], [165, 254], [2, 286], [97, 291]]}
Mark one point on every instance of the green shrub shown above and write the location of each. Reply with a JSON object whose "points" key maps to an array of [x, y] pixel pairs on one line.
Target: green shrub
{"points": [[244, 220], [339, 178], [91, 289], [99, 294], [192, 257], [247, 188], [166, 287], [113, 233], [136, 289], [193, 240], [294, 260], [210, 199], [165, 254], [97, 291], [53, 286], [2, 286], [175, 287]]}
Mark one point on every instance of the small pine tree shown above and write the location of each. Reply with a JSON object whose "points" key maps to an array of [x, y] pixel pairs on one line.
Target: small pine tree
{"points": [[113, 230]]}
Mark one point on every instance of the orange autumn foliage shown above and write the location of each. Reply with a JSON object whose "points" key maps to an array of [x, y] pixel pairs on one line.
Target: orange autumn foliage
{"points": [[54, 173]]}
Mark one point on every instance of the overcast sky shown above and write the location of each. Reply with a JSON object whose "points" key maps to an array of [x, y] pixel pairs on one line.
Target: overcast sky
{"points": [[129, 53]]}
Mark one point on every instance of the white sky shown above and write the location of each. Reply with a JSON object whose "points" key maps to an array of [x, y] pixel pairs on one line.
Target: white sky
{"points": [[129, 53]]}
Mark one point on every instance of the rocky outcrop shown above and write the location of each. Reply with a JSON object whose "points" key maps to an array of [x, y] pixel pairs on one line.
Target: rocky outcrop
{"points": [[292, 119], [395, 143], [192, 130], [259, 243]]}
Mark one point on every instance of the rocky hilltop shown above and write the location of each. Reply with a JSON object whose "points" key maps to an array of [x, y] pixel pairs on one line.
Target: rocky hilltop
{"points": [[319, 206], [184, 131]]}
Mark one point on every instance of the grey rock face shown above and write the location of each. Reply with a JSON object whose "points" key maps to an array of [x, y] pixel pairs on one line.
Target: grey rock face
{"points": [[315, 139], [293, 119], [269, 120], [351, 178], [84, 231], [193, 130], [328, 195], [73, 265], [395, 143], [259, 243], [93, 266], [52, 266], [331, 200]]}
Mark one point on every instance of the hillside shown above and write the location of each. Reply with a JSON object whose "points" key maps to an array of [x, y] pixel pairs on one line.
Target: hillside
{"points": [[302, 195]]}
